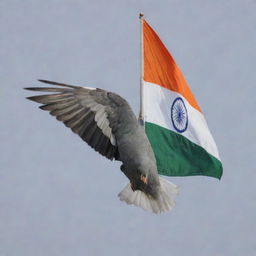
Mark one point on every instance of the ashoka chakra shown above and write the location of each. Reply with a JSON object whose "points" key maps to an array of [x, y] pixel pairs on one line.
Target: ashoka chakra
{"points": [[179, 115]]}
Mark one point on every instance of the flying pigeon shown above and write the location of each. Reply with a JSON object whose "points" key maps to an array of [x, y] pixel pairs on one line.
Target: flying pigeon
{"points": [[107, 123]]}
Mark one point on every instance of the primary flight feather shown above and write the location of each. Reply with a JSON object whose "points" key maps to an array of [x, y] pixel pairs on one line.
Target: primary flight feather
{"points": [[107, 123]]}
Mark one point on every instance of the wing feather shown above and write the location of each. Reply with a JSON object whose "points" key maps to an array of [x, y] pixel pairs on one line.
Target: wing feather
{"points": [[79, 110]]}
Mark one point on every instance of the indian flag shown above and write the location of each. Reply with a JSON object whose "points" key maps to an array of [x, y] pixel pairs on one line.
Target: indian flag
{"points": [[174, 122]]}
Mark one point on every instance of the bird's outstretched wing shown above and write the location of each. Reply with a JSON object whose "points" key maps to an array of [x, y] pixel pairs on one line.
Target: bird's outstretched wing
{"points": [[84, 111]]}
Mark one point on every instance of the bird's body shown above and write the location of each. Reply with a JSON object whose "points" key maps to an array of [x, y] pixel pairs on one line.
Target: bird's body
{"points": [[133, 146], [107, 123]]}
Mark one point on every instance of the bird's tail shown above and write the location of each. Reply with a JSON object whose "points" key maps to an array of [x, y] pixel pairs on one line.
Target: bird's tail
{"points": [[165, 201]]}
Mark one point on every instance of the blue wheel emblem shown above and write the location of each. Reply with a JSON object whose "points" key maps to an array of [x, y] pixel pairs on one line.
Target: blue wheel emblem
{"points": [[179, 115]]}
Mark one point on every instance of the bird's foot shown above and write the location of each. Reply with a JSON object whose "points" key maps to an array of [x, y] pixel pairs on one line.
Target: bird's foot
{"points": [[144, 179]]}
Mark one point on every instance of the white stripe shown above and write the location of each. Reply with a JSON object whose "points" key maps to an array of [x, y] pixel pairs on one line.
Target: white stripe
{"points": [[157, 107]]}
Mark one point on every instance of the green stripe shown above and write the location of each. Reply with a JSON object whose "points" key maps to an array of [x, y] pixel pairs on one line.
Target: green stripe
{"points": [[178, 156]]}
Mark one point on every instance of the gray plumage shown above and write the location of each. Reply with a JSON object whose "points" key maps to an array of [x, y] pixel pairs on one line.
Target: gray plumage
{"points": [[107, 123]]}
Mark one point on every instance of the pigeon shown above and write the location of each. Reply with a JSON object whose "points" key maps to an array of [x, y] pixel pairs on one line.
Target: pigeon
{"points": [[106, 122]]}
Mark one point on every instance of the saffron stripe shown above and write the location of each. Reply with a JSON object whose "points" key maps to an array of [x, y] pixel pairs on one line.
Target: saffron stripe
{"points": [[160, 67]]}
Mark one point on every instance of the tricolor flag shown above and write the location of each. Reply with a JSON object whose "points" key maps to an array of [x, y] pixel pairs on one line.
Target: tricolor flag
{"points": [[174, 122]]}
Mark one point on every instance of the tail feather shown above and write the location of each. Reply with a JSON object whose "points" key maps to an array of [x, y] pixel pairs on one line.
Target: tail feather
{"points": [[164, 203]]}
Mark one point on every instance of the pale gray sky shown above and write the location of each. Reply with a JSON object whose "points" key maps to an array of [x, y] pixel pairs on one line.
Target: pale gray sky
{"points": [[57, 195]]}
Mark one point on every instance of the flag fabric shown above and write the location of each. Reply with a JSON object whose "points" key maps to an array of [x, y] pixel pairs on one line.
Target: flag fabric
{"points": [[174, 122]]}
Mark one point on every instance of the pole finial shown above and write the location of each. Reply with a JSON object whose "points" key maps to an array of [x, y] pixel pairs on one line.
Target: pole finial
{"points": [[141, 15]]}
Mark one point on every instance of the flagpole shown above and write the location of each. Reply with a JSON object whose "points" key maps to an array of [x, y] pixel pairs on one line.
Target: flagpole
{"points": [[141, 115]]}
